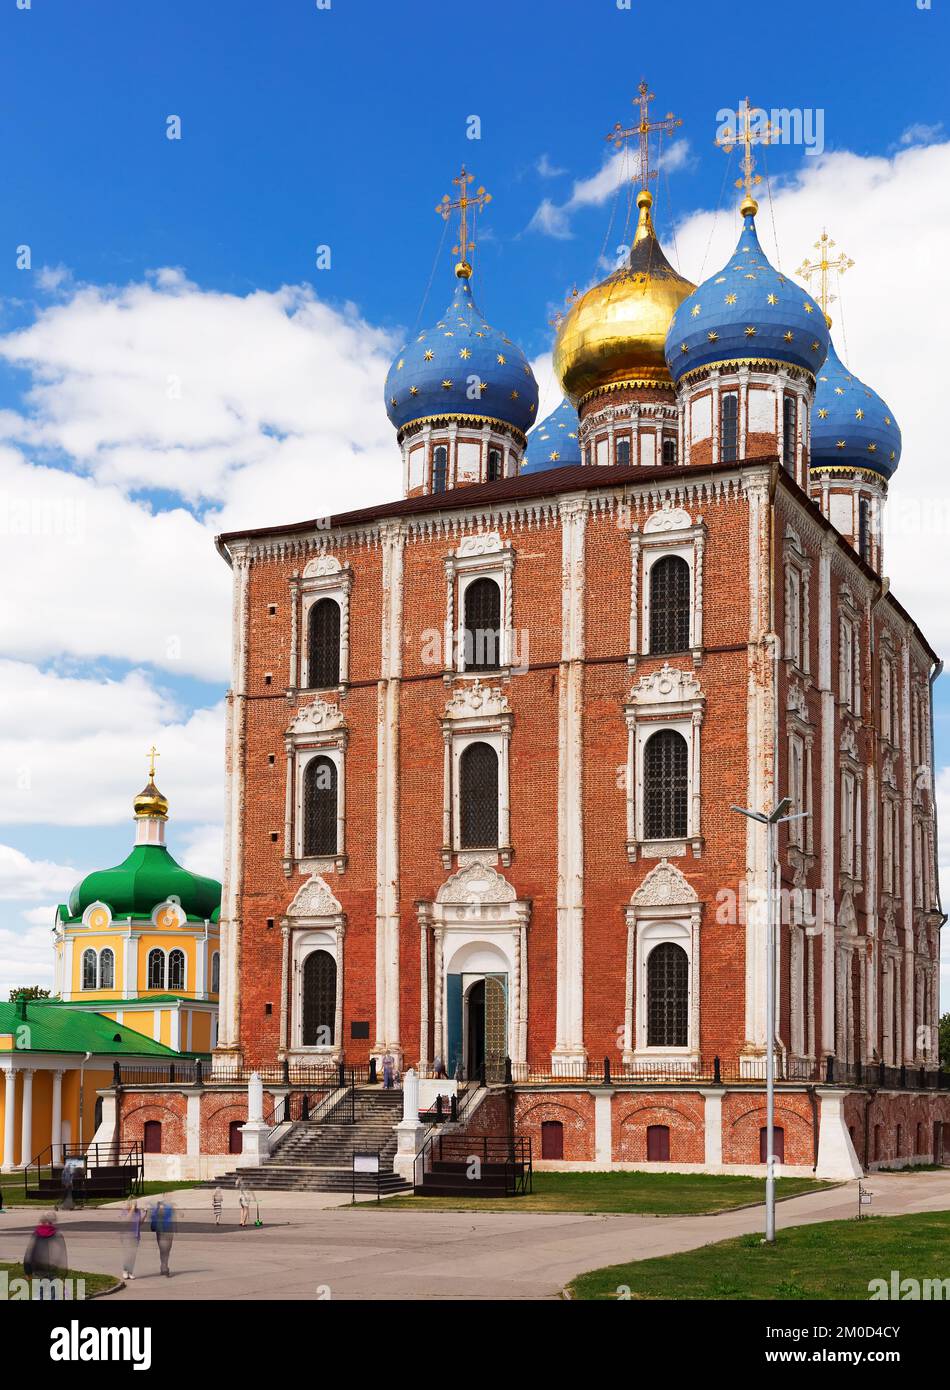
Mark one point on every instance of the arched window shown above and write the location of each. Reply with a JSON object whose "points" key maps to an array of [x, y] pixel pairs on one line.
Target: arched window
{"points": [[622, 447], [89, 969], [323, 644], [669, 452], [156, 969], [665, 786], [235, 1137], [670, 603], [667, 996], [107, 969], [216, 972], [176, 969], [478, 797], [789, 421], [778, 1144], [482, 626], [658, 1143], [552, 1139], [729, 441], [440, 463], [319, 999], [152, 1137], [319, 807], [494, 465]]}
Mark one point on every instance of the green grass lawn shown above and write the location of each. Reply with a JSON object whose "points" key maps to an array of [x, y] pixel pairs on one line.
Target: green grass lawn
{"points": [[830, 1260], [95, 1283], [662, 1194], [11, 1184]]}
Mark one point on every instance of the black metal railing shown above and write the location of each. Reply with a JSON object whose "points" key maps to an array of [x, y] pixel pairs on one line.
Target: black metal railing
{"points": [[124, 1161], [485, 1157], [829, 1071], [201, 1072]]}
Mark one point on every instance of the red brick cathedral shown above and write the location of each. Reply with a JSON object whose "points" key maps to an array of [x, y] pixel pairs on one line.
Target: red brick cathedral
{"points": [[484, 743]]}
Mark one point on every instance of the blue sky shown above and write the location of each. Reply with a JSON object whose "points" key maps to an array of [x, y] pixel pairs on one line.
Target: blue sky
{"points": [[306, 126]]}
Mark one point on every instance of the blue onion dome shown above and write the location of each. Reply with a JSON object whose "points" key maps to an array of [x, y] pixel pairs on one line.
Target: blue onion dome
{"points": [[553, 443], [462, 369], [851, 427], [747, 313]]}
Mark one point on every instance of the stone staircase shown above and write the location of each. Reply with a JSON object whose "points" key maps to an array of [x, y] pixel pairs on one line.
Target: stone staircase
{"points": [[319, 1157]]}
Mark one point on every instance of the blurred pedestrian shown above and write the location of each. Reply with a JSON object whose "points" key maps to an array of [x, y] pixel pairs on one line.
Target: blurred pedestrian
{"points": [[245, 1204], [68, 1178], [131, 1235], [439, 1068], [45, 1257], [389, 1065], [217, 1202], [163, 1224]]}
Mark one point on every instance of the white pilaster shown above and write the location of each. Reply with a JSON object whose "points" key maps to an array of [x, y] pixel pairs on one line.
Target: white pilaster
{"points": [[26, 1119]]}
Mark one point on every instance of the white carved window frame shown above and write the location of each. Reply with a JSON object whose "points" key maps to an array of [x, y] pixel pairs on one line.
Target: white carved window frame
{"points": [[801, 743], [890, 691], [666, 699], [309, 935], [797, 604], [475, 714], [317, 731], [851, 782], [668, 531], [849, 652], [650, 923], [483, 555], [322, 577]]}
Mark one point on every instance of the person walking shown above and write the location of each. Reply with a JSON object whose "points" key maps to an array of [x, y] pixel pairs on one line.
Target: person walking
{"points": [[217, 1202], [388, 1069], [45, 1258], [244, 1200], [163, 1224], [68, 1178], [131, 1236]]}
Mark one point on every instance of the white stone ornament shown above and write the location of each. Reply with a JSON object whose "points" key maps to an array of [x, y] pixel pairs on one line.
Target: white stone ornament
{"points": [[484, 543], [668, 518], [665, 884], [477, 883], [314, 899], [317, 718], [848, 743], [668, 684], [323, 564], [477, 699]]}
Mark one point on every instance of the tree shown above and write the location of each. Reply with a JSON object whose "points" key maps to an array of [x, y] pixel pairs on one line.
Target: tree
{"points": [[29, 992], [945, 1041]]}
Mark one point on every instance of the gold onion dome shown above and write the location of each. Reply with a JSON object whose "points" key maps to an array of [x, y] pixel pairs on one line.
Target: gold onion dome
{"points": [[614, 335], [150, 802]]}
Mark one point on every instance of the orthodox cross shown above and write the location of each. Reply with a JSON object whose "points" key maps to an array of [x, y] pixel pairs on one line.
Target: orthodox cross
{"points": [[462, 204], [752, 128], [619, 134], [153, 753], [822, 267]]}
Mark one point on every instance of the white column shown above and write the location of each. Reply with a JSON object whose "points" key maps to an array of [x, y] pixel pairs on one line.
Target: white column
{"points": [[906, 1041], [712, 1128], [387, 794], [9, 1118], [828, 781], [26, 1119], [603, 1128], [634, 590], [229, 1006], [438, 983], [289, 801], [56, 1120], [293, 676], [424, 913], [338, 1002], [284, 984], [629, 989]]}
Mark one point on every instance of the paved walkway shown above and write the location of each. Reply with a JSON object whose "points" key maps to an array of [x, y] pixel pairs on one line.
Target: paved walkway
{"points": [[313, 1247]]}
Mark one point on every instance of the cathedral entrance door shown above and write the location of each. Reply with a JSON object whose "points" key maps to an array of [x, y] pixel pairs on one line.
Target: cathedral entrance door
{"points": [[486, 1027]]}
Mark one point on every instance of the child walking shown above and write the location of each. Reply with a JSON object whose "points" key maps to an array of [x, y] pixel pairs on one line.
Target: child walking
{"points": [[217, 1202]]}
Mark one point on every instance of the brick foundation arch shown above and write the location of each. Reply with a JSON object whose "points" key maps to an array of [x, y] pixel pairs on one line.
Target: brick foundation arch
{"points": [[684, 1121], [577, 1117], [740, 1139], [170, 1116]]}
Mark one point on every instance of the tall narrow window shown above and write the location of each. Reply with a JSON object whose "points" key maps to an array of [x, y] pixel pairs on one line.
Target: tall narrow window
{"points": [[669, 452], [729, 443], [319, 807], [482, 626], [156, 969], [494, 465], [176, 969], [216, 972], [323, 644], [667, 996], [319, 999], [665, 786], [670, 602], [89, 969], [478, 797], [789, 429], [623, 451], [440, 463], [864, 528], [107, 969]]}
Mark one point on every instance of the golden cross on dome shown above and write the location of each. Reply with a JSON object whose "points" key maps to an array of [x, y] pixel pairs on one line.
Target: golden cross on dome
{"points": [[462, 204], [822, 268], [153, 753], [753, 128], [619, 134]]}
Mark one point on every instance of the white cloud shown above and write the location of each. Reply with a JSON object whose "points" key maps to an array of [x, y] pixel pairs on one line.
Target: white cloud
{"points": [[202, 850], [72, 748], [22, 878], [921, 134], [618, 167], [26, 953], [546, 169]]}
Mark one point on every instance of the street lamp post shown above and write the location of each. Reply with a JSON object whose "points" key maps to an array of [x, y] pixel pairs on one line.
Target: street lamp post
{"points": [[771, 820]]}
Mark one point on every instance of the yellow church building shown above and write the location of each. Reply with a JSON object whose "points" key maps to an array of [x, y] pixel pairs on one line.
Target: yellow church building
{"points": [[137, 965]]}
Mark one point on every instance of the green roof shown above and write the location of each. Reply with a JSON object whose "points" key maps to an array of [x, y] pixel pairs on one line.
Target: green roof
{"points": [[118, 1002], [146, 878], [58, 1029]]}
